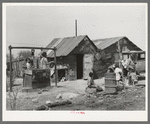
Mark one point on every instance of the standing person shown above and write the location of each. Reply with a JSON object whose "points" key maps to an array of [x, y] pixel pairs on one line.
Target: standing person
{"points": [[28, 63], [129, 63], [44, 62]]}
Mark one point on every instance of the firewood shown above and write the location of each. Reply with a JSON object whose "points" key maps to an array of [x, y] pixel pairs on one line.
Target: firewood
{"points": [[50, 105]]}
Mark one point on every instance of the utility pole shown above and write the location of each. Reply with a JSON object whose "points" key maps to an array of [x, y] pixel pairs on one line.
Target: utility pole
{"points": [[76, 28]]}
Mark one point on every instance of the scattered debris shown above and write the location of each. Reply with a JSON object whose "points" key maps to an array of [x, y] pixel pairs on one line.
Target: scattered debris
{"points": [[29, 97], [40, 92], [55, 104], [35, 100], [48, 102], [58, 96], [45, 90], [100, 101], [69, 95]]}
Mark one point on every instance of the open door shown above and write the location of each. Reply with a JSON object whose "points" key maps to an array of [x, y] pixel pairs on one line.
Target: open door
{"points": [[88, 64], [79, 66]]}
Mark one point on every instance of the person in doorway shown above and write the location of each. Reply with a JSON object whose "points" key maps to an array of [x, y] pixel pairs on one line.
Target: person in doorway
{"points": [[44, 62]]}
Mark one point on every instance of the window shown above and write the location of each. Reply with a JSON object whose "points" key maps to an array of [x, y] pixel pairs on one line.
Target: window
{"points": [[142, 56]]}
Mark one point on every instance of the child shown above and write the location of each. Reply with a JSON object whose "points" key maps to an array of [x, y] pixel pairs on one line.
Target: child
{"points": [[28, 63], [118, 72], [91, 83]]}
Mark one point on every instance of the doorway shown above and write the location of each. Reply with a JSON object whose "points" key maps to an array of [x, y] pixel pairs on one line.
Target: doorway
{"points": [[79, 66], [61, 74]]}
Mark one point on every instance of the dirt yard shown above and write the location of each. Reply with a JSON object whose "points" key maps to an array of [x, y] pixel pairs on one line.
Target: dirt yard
{"points": [[132, 98]]}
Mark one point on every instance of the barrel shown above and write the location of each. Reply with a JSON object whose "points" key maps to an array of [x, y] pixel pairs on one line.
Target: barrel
{"points": [[110, 83]]}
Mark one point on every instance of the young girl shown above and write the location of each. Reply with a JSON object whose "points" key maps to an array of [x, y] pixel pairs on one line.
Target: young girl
{"points": [[28, 63], [118, 72], [91, 83]]}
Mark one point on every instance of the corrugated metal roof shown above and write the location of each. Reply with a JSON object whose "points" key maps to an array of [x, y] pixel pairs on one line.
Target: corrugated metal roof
{"points": [[104, 43], [64, 45]]}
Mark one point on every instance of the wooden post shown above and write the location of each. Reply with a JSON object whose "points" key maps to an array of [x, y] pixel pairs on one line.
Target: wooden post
{"points": [[56, 72], [119, 53], [10, 70], [50, 77]]}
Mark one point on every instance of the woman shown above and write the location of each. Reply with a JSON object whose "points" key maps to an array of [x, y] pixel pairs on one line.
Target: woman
{"points": [[44, 62]]}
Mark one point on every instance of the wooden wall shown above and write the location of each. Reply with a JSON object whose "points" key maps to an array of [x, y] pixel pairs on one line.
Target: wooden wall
{"points": [[110, 55], [105, 58], [84, 47]]}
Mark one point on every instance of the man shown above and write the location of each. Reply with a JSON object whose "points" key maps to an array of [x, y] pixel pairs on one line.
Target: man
{"points": [[128, 68]]}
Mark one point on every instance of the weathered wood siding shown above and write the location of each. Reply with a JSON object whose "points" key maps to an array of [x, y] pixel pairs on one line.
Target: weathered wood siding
{"points": [[110, 55], [87, 64], [84, 47]]}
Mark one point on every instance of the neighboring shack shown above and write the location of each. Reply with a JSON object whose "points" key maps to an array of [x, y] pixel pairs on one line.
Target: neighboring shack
{"points": [[75, 56], [111, 50]]}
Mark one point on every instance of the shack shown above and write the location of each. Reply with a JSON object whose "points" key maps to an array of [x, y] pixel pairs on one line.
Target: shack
{"points": [[75, 56], [111, 50]]}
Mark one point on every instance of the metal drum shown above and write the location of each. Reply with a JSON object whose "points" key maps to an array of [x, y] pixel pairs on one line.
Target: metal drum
{"points": [[110, 83]]}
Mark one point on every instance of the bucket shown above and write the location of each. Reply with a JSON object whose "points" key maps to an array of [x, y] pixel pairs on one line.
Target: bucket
{"points": [[110, 83]]}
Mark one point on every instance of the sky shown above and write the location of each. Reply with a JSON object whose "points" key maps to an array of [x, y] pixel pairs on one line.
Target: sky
{"points": [[37, 24]]}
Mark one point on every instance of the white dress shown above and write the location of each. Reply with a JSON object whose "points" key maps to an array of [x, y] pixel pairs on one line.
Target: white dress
{"points": [[118, 71], [28, 65], [44, 63]]}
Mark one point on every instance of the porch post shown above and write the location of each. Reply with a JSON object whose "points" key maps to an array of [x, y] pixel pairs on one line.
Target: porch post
{"points": [[56, 72]]}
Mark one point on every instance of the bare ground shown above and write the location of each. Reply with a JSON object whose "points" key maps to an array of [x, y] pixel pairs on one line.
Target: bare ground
{"points": [[132, 98]]}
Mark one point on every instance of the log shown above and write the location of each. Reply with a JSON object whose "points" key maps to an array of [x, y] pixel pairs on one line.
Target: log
{"points": [[50, 105]]}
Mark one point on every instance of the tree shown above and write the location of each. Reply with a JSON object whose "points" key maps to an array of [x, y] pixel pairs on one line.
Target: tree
{"points": [[24, 54]]}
